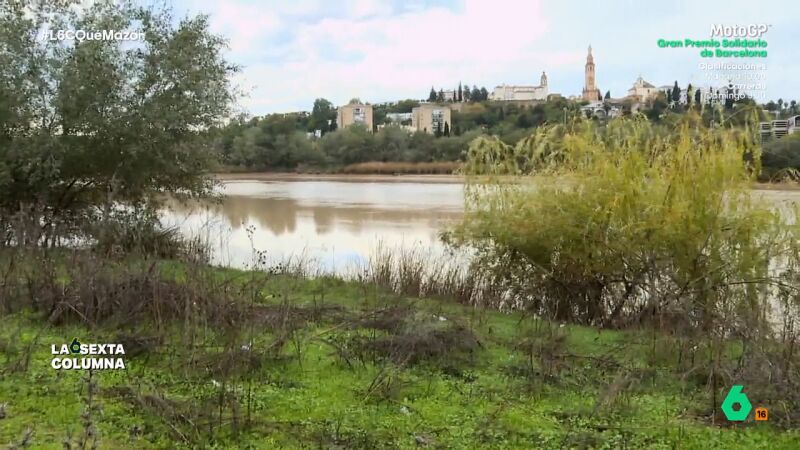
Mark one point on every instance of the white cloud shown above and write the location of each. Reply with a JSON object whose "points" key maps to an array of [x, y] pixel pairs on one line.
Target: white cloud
{"points": [[245, 26], [295, 51], [374, 55]]}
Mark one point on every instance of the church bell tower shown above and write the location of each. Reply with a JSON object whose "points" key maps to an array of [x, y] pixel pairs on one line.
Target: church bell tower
{"points": [[590, 91]]}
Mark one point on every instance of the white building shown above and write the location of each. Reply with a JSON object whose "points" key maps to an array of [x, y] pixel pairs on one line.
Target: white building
{"points": [[642, 91], [506, 92], [781, 127], [601, 109], [398, 117]]}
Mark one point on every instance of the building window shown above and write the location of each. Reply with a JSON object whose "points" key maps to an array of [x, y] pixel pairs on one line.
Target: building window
{"points": [[359, 115], [437, 119]]}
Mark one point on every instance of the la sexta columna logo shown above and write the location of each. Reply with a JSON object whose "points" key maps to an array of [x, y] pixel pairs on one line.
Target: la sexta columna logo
{"points": [[81, 356]]}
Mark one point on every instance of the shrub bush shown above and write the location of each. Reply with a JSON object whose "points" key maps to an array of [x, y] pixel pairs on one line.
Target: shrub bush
{"points": [[626, 223]]}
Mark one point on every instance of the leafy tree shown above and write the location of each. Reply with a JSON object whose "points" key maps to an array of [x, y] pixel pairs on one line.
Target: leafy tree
{"points": [[771, 106], [432, 95], [698, 98], [404, 106], [689, 95], [676, 93], [781, 156], [348, 145], [475, 95], [466, 94], [447, 129], [440, 96], [608, 95], [90, 124], [729, 97], [627, 180], [322, 114], [484, 94], [657, 107], [460, 93], [392, 144]]}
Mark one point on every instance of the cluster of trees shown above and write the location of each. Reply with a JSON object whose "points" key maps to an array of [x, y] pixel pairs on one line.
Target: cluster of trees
{"points": [[275, 143], [722, 106], [461, 94], [783, 109], [282, 141], [780, 158], [628, 177], [381, 110], [89, 125], [728, 97]]}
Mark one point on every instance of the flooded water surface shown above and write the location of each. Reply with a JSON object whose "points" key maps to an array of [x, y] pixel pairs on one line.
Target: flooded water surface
{"points": [[335, 223]]}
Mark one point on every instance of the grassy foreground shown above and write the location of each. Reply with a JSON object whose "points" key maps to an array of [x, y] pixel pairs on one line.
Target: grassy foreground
{"points": [[334, 364]]}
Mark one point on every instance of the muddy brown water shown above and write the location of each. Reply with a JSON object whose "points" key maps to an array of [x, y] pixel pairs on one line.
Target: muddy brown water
{"points": [[335, 221]]}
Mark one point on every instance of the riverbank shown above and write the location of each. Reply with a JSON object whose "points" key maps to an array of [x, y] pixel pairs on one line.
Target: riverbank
{"points": [[785, 186], [403, 178], [252, 360], [353, 178]]}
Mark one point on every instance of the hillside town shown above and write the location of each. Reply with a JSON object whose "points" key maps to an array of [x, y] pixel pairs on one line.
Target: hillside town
{"points": [[434, 114]]}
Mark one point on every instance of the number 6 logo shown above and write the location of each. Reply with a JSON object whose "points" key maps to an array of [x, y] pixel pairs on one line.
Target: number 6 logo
{"points": [[735, 395]]}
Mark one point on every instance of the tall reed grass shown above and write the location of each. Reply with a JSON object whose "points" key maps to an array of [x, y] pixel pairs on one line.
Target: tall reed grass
{"points": [[394, 168]]}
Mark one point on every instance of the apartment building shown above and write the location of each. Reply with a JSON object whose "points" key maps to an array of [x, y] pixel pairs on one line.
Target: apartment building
{"points": [[354, 113], [430, 117]]}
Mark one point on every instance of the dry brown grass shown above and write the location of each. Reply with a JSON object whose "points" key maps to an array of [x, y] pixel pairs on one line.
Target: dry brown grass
{"points": [[391, 168]]}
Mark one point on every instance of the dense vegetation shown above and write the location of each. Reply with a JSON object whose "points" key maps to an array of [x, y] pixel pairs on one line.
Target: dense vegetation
{"points": [[645, 231], [281, 141], [781, 158], [635, 224], [243, 360], [640, 214], [88, 125]]}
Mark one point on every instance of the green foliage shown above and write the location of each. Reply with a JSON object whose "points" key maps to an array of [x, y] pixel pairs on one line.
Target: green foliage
{"points": [[323, 116], [254, 145], [92, 123], [258, 148], [304, 380], [274, 142], [350, 145], [781, 157], [380, 110], [628, 222], [512, 121]]}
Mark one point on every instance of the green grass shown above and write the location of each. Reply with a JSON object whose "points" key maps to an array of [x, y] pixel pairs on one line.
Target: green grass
{"points": [[307, 396]]}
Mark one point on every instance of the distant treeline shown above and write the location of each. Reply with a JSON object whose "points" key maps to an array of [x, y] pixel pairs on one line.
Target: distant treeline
{"points": [[287, 141], [310, 141]]}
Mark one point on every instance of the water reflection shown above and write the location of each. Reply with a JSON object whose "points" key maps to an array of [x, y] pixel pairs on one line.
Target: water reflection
{"points": [[335, 223]]}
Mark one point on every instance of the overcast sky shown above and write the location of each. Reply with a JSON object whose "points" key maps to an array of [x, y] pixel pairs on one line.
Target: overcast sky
{"points": [[294, 51]]}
